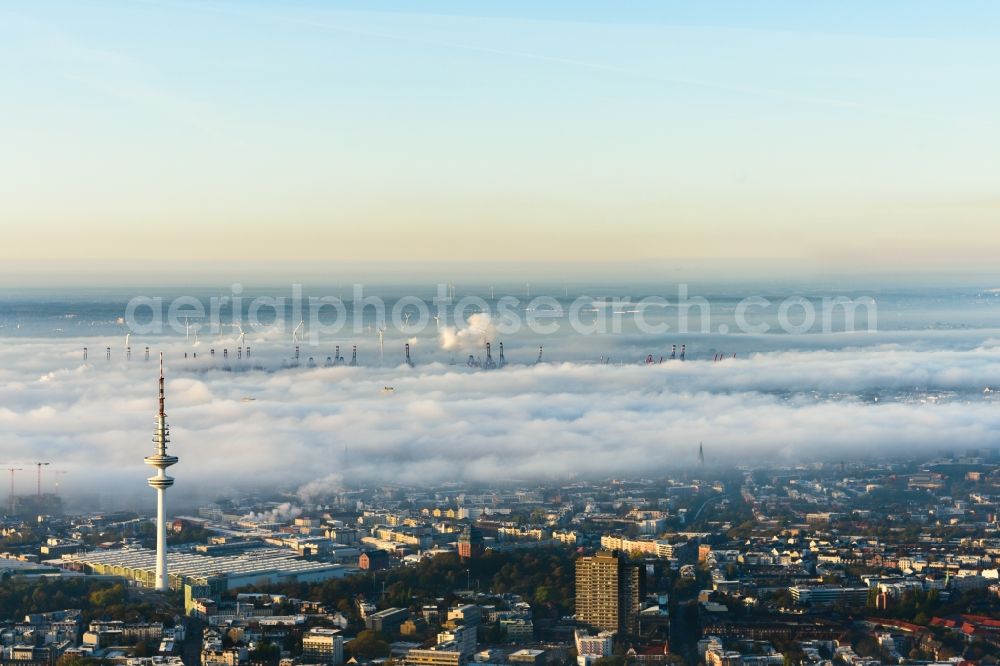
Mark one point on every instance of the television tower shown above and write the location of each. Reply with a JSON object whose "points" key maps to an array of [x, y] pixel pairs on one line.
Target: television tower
{"points": [[161, 461]]}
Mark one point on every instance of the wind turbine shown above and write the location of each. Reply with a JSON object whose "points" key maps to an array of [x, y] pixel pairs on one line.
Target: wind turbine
{"points": [[242, 337], [381, 344], [234, 325]]}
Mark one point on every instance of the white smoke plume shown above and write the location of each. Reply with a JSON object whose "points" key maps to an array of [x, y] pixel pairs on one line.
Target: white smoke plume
{"points": [[478, 330], [281, 513], [321, 488]]}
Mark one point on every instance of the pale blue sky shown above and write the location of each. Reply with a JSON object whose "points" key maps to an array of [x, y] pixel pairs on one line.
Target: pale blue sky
{"points": [[834, 134]]}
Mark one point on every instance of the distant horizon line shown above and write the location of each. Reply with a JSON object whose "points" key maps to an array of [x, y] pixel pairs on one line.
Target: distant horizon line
{"points": [[135, 275]]}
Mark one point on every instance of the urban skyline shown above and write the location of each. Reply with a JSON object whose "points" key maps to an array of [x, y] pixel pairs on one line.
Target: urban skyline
{"points": [[499, 333]]}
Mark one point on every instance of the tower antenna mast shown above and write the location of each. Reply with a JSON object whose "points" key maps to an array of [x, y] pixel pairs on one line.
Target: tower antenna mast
{"points": [[160, 460]]}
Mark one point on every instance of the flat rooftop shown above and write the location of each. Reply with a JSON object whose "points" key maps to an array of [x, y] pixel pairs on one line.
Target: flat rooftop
{"points": [[259, 561]]}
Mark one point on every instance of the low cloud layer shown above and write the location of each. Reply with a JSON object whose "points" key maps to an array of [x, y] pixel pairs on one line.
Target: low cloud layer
{"points": [[324, 427]]}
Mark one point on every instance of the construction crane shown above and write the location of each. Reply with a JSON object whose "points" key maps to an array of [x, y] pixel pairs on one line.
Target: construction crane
{"points": [[12, 470], [39, 466]]}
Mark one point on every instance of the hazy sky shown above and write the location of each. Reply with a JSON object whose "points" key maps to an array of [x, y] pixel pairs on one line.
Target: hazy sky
{"points": [[849, 136]]}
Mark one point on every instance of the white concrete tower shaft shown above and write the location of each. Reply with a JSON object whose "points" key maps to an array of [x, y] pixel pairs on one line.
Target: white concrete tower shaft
{"points": [[161, 461]]}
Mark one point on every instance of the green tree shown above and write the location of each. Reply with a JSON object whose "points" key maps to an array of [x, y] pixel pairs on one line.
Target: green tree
{"points": [[113, 595], [610, 661], [71, 660], [368, 645], [266, 653], [142, 649]]}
